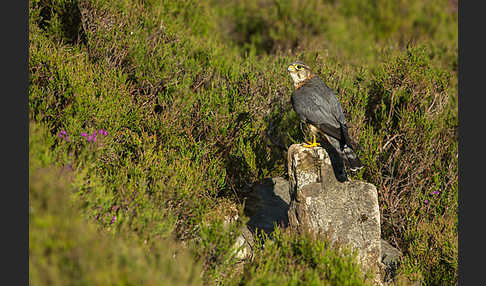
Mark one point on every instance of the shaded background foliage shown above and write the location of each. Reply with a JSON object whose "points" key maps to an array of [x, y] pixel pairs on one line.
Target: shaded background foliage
{"points": [[195, 98]]}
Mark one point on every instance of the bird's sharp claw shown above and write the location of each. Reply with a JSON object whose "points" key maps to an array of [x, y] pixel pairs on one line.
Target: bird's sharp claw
{"points": [[311, 145]]}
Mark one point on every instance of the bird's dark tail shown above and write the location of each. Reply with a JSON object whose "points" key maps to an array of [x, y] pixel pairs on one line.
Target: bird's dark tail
{"points": [[351, 160]]}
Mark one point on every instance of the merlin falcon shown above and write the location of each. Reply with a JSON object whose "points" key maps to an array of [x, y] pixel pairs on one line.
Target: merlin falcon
{"points": [[317, 106]]}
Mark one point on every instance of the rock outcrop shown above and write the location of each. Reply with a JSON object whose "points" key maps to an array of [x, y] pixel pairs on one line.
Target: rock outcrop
{"points": [[346, 212], [390, 257], [266, 205], [315, 199]]}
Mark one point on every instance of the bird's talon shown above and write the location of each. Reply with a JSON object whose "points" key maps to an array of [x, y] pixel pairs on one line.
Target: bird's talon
{"points": [[312, 144]]}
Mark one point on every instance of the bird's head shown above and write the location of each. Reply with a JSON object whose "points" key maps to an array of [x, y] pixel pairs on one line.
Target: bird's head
{"points": [[299, 72]]}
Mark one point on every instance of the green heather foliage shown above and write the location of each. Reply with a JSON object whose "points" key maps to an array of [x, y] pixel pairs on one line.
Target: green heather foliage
{"points": [[291, 259], [190, 104], [67, 249]]}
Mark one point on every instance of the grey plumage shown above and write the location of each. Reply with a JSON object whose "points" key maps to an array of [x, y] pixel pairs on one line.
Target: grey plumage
{"points": [[317, 105]]}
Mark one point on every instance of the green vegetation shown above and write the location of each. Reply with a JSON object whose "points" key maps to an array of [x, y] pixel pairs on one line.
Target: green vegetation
{"points": [[64, 249], [305, 260], [190, 104]]}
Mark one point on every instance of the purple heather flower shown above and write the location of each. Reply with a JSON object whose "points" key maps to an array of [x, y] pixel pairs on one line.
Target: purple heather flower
{"points": [[105, 132], [60, 135], [84, 134], [426, 201], [435, 193], [67, 138], [101, 131], [63, 132], [113, 219], [90, 137]]}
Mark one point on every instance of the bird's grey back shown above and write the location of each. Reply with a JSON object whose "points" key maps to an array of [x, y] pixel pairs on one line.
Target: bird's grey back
{"points": [[317, 102]]}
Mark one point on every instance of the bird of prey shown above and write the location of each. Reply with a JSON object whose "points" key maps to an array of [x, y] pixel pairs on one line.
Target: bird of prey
{"points": [[318, 107]]}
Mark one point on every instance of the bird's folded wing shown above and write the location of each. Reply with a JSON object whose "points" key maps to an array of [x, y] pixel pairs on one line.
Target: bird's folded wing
{"points": [[315, 108]]}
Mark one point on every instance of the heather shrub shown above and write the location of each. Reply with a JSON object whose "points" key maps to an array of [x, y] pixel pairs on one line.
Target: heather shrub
{"points": [[66, 248], [164, 112], [291, 259]]}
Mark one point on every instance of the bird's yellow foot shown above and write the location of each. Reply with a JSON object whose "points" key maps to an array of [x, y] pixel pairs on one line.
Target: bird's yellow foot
{"points": [[312, 144]]}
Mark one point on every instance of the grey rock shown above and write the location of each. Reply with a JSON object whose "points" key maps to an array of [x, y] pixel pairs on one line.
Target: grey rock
{"points": [[390, 257], [345, 212], [244, 244], [316, 199], [267, 205]]}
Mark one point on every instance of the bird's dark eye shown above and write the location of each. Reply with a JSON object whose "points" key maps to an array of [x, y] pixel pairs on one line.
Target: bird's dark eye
{"points": [[299, 67]]}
